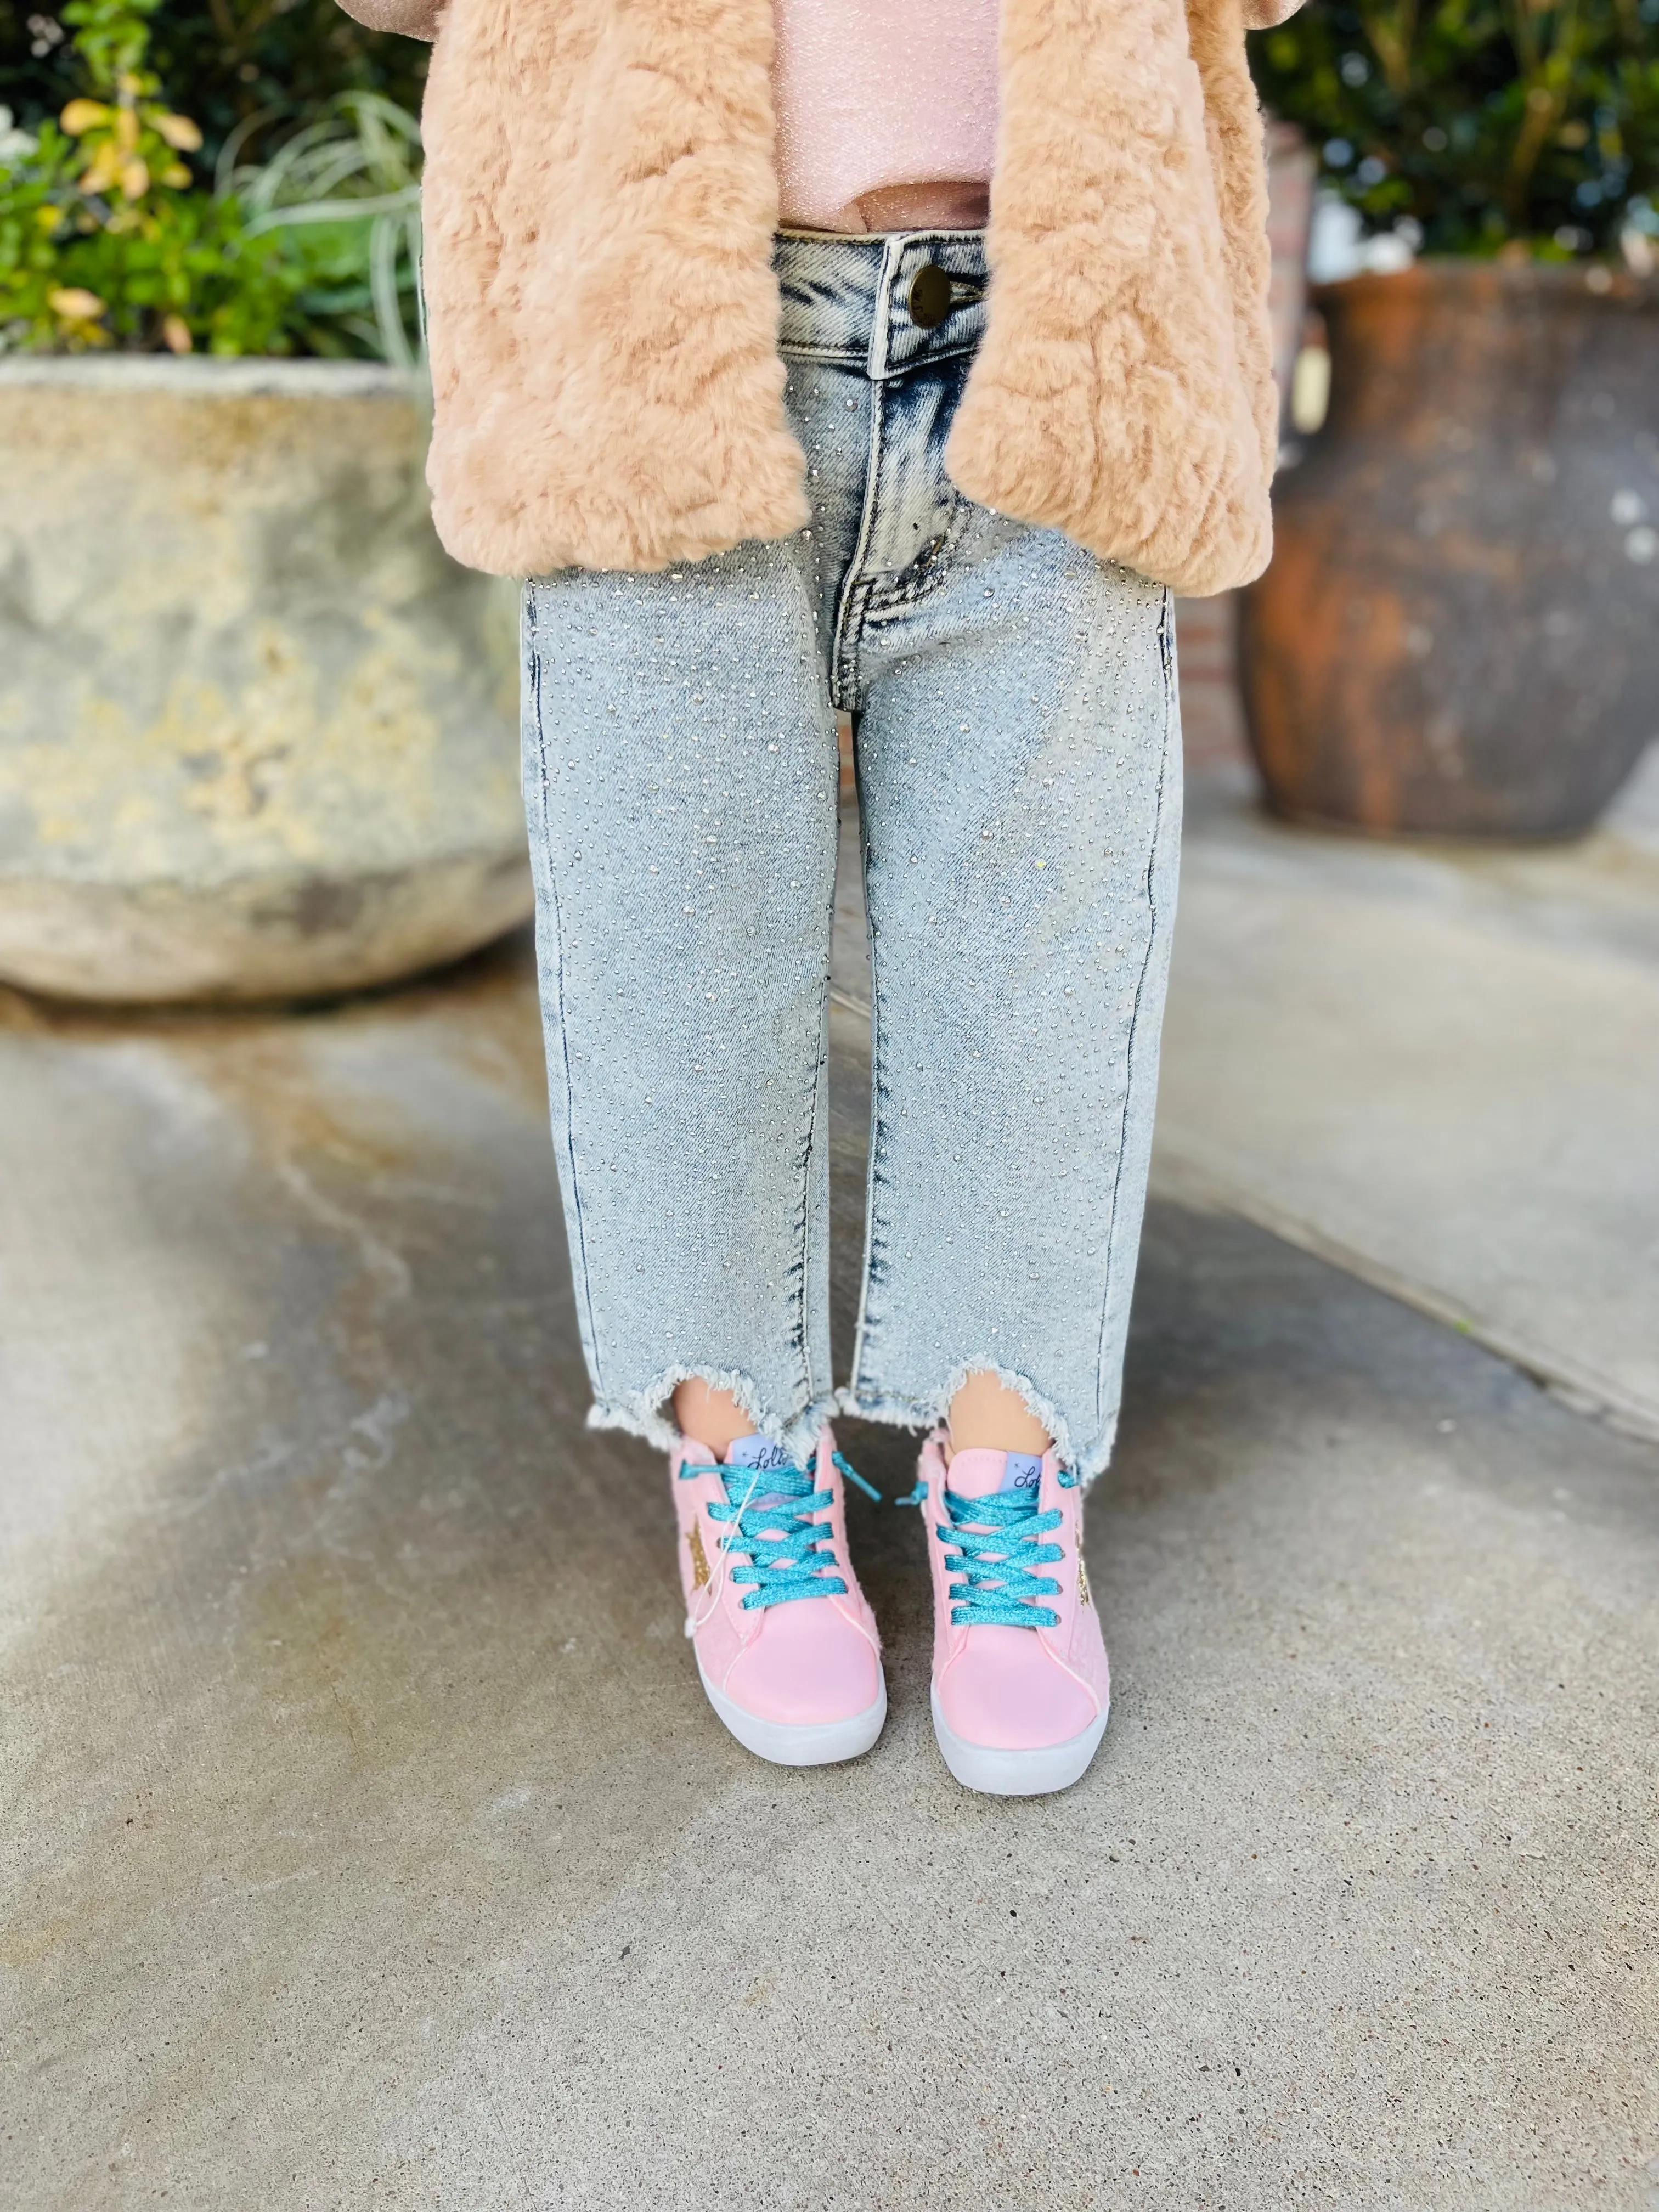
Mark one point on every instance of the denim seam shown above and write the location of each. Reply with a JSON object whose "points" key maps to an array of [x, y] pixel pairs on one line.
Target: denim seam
{"points": [[803, 1332], [936, 349], [546, 873], [858, 357], [853, 357], [855, 598], [881, 322], [856, 590], [1166, 655], [878, 1046], [939, 570]]}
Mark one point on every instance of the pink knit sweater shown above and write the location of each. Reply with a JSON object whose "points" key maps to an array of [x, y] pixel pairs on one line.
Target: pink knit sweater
{"points": [[872, 95]]}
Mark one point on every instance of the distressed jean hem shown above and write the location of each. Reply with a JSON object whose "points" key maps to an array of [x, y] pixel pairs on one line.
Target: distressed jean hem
{"points": [[646, 1413], [859, 1403]]}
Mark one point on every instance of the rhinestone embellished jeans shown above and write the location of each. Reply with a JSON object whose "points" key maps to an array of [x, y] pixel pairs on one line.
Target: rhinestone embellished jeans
{"points": [[1019, 768]]}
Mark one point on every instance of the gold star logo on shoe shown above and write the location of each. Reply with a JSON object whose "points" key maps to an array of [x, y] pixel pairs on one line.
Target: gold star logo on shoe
{"points": [[699, 1557]]}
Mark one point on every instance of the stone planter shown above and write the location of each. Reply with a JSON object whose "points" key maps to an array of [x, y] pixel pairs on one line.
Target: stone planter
{"points": [[256, 731], [1459, 635]]}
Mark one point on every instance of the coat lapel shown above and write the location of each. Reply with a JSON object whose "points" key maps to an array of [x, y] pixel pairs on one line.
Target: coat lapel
{"points": [[600, 201], [1115, 395], [600, 204]]}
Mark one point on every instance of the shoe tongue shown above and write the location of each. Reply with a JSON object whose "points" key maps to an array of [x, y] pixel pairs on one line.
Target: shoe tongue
{"points": [[757, 1452], [983, 1474], [762, 1454]]}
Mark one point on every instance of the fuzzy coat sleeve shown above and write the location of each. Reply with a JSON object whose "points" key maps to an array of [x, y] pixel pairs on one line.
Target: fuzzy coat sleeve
{"points": [[415, 19]]}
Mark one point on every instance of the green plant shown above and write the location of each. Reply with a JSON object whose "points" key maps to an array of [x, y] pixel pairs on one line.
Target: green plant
{"points": [[104, 238], [223, 61], [1478, 126], [344, 195], [108, 239]]}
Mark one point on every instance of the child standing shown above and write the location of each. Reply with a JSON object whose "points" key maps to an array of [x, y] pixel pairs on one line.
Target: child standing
{"points": [[874, 357]]}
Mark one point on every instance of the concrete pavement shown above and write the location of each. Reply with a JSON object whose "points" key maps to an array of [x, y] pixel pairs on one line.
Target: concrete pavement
{"points": [[369, 1843], [1438, 1066]]}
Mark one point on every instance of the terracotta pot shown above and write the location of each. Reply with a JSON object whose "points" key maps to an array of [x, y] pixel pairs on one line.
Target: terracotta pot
{"points": [[1459, 635]]}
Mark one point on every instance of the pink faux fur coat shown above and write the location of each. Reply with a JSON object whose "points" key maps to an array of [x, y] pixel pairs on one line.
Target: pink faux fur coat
{"points": [[599, 203]]}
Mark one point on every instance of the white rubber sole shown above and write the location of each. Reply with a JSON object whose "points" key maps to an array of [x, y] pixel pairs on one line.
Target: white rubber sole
{"points": [[1018, 1773], [803, 1743]]}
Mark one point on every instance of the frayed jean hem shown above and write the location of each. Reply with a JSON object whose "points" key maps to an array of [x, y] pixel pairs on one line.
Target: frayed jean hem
{"points": [[861, 1404], [647, 1413]]}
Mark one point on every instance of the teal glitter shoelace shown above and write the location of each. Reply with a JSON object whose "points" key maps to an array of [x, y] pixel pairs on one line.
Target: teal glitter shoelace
{"points": [[784, 1553], [995, 1557]]}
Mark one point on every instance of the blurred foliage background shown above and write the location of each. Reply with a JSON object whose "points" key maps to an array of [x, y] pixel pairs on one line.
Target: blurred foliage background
{"points": [[1478, 126], [222, 62], [241, 176]]}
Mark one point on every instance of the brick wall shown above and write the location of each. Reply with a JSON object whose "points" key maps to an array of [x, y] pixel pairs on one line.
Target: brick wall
{"points": [[1290, 170], [1212, 719]]}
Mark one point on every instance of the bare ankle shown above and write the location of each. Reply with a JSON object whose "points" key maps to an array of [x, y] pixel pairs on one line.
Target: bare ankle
{"points": [[985, 1415], [712, 1416]]}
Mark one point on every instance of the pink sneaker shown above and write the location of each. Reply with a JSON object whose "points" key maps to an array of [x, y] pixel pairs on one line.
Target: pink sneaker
{"points": [[1021, 1688], [786, 1645]]}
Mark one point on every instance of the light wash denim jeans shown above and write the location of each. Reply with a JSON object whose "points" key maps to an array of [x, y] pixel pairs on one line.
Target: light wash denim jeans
{"points": [[1019, 767]]}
